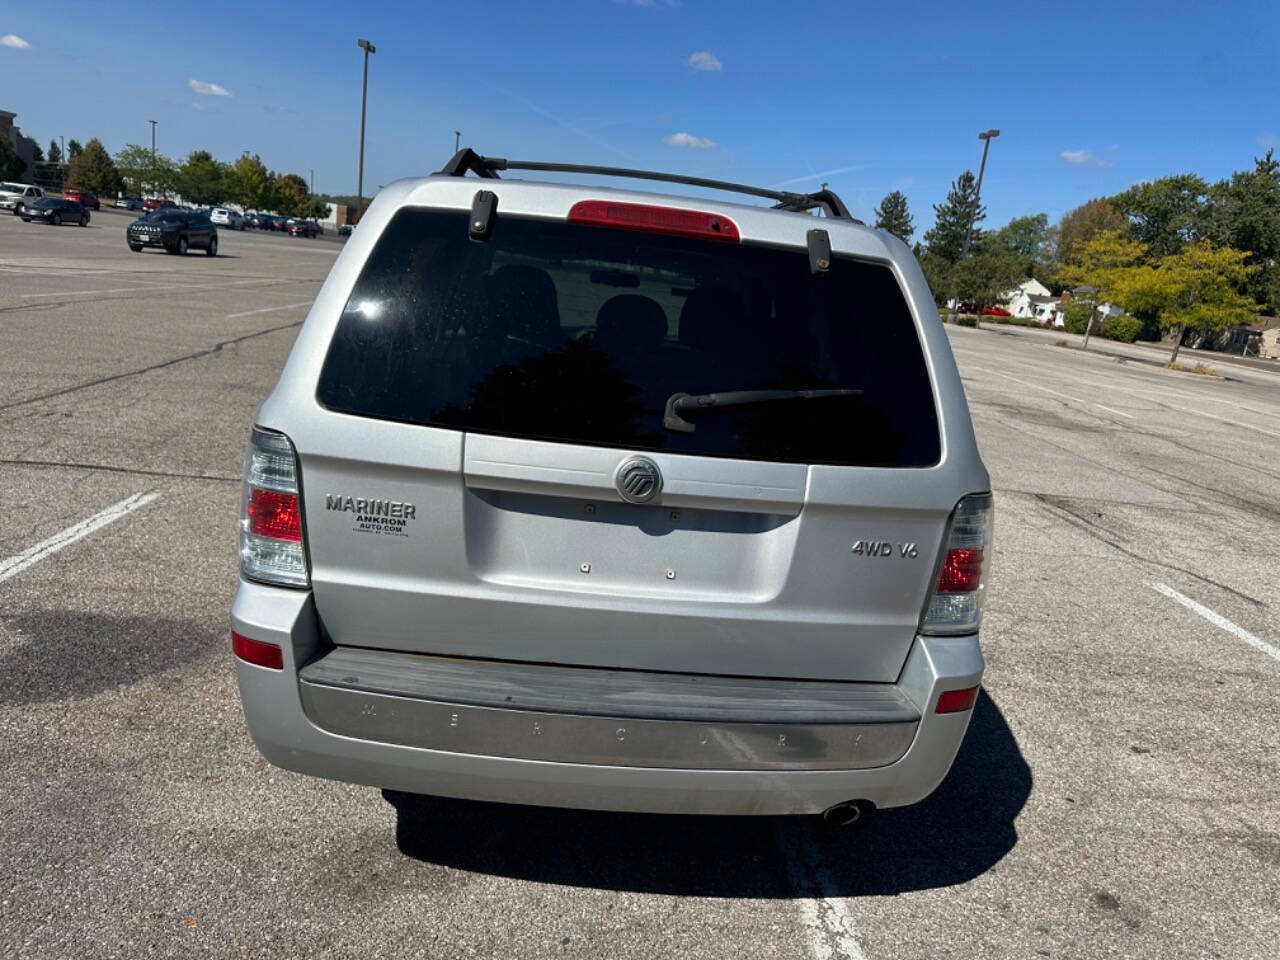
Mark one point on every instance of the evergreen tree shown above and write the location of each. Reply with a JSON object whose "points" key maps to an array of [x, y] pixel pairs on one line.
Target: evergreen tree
{"points": [[954, 218], [74, 149], [893, 215], [12, 167], [55, 152], [92, 169]]}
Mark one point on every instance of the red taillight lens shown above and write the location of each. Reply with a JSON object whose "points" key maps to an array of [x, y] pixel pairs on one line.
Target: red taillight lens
{"points": [[257, 652], [956, 701], [274, 514], [955, 605], [640, 216], [961, 571]]}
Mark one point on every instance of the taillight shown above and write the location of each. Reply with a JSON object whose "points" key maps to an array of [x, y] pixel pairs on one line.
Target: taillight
{"points": [[955, 606], [641, 216], [271, 543]]}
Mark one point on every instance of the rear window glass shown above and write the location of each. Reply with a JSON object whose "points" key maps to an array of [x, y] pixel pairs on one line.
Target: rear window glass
{"points": [[581, 334]]}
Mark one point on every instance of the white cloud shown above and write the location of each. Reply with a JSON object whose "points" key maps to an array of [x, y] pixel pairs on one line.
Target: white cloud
{"points": [[208, 89], [1084, 158], [704, 60], [683, 139], [15, 41]]}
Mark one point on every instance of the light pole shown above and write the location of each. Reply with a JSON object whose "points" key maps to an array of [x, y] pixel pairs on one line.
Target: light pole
{"points": [[457, 137], [368, 48], [153, 141], [986, 136]]}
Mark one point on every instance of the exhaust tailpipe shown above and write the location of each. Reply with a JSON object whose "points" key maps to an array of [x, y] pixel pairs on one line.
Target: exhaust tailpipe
{"points": [[842, 814]]}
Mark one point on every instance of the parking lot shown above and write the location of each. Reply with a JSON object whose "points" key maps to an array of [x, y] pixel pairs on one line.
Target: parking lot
{"points": [[1116, 795]]}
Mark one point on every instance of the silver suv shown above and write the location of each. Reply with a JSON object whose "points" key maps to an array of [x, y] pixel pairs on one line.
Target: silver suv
{"points": [[585, 497]]}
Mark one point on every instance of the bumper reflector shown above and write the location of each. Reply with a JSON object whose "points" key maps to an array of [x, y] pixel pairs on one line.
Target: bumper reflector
{"points": [[257, 652], [956, 701]]}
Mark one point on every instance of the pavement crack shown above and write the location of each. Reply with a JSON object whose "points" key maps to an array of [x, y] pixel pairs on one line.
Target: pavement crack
{"points": [[195, 355]]}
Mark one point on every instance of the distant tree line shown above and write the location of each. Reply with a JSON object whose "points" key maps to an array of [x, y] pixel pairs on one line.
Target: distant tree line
{"points": [[200, 179], [1181, 255]]}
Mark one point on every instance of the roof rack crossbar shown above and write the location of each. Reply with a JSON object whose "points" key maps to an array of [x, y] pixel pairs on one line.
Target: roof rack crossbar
{"points": [[467, 160]]}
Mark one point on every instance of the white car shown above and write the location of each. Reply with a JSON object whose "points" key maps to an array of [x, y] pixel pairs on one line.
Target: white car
{"points": [[230, 219], [129, 203], [15, 196]]}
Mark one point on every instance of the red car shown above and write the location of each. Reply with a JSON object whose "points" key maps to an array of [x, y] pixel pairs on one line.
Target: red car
{"points": [[86, 198], [303, 228], [157, 203], [995, 312]]}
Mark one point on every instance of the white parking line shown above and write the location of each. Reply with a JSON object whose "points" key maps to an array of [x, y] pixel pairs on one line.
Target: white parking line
{"points": [[148, 289], [832, 934], [14, 565], [1218, 620], [250, 313]]}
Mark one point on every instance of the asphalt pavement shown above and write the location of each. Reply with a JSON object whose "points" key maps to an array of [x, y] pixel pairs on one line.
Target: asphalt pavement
{"points": [[1116, 795]]}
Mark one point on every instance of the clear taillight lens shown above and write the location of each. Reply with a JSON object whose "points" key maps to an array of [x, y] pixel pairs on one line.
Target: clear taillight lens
{"points": [[956, 603], [271, 542]]}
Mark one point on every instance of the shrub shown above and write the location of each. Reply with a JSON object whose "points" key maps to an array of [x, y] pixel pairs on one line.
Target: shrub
{"points": [[1061, 342], [967, 319], [1122, 327], [1076, 317], [1204, 370]]}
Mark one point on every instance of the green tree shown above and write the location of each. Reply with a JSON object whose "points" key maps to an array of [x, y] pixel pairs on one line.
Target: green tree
{"points": [[201, 178], [291, 195], [37, 155], [55, 152], [73, 149], [893, 215], [1025, 236], [1101, 270], [249, 183], [145, 173], [1166, 214], [937, 273], [317, 209], [1244, 213], [954, 217], [1194, 289], [1077, 227], [12, 167], [993, 269], [93, 169]]}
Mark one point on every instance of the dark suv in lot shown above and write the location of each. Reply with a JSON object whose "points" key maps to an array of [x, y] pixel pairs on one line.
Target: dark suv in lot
{"points": [[57, 211], [175, 230]]}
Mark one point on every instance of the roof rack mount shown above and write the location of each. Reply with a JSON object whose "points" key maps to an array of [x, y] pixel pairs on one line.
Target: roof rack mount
{"points": [[467, 161]]}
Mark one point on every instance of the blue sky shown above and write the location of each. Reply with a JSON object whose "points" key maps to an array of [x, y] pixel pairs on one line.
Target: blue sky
{"points": [[870, 97]]}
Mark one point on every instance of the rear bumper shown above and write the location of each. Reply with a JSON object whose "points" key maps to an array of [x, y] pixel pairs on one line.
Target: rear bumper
{"points": [[278, 721]]}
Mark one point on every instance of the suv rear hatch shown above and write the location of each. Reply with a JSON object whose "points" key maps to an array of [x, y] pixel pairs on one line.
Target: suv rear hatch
{"points": [[479, 398]]}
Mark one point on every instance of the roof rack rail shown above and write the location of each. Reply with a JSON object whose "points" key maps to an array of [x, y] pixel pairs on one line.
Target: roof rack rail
{"points": [[467, 160]]}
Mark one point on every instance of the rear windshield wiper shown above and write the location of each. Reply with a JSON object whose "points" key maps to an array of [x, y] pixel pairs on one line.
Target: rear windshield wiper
{"points": [[681, 403]]}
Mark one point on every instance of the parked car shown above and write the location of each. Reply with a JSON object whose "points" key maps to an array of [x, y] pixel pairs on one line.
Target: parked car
{"points": [[129, 203], [613, 503], [995, 312], [280, 224], [344, 230], [304, 228], [175, 230], [86, 198], [17, 196], [55, 211], [158, 203], [223, 217]]}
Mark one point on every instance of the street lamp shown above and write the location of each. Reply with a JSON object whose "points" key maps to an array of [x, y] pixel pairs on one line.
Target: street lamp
{"points": [[457, 137], [368, 48], [153, 141], [986, 136]]}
